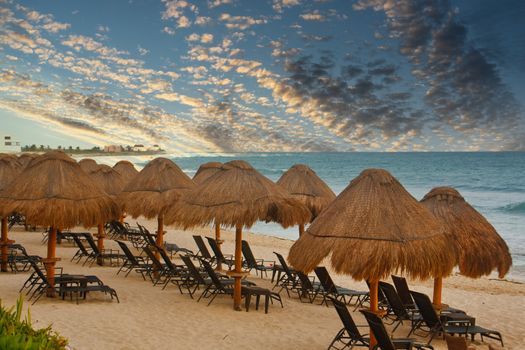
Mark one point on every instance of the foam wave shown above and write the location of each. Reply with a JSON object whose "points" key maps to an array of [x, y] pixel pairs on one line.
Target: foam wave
{"points": [[514, 208]]}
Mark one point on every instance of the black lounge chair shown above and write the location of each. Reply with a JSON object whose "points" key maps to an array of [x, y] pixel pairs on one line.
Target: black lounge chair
{"points": [[436, 326], [18, 259], [132, 262], [204, 253], [82, 251], [337, 292], [148, 237], [308, 288], [218, 285], [399, 312], [259, 265], [194, 277], [219, 256], [384, 342], [159, 270], [173, 248], [289, 281], [404, 293], [175, 274], [349, 335], [38, 284], [101, 255]]}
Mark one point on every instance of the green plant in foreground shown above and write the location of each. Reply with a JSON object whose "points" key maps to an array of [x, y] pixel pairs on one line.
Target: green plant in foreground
{"points": [[18, 334]]}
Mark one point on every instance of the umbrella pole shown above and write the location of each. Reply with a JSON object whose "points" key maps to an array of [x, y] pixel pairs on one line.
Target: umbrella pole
{"points": [[4, 244], [237, 276], [374, 306], [100, 242], [219, 242], [160, 234], [301, 229], [51, 261], [438, 287]]}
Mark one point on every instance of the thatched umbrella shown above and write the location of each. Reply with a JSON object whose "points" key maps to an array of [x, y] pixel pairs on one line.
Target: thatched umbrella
{"points": [[112, 182], [9, 169], [161, 182], [237, 196], [25, 158], [204, 172], [128, 172], [126, 169], [480, 248], [88, 165], [372, 229], [304, 184], [53, 191]]}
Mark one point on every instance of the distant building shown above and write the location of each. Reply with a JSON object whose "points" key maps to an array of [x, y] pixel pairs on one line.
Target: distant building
{"points": [[8, 145], [155, 148], [113, 148], [139, 148]]}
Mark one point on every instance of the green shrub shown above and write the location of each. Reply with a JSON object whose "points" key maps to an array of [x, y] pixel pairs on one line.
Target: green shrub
{"points": [[17, 334]]}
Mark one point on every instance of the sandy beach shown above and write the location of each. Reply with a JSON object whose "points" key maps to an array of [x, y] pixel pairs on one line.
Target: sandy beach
{"points": [[150, 318]]}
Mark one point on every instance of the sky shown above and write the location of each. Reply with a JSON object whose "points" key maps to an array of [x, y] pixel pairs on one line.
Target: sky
{"points": [[265, 75]]}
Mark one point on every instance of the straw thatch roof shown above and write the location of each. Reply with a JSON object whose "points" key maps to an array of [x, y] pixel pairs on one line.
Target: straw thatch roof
{"points": [[9, 169], [108, 179], [159, 183], [26, 158], [480, 248], [237, 194], [375, 228], [54, 191], [304, 185], [88, 165], [205, 171], [126, 169]]}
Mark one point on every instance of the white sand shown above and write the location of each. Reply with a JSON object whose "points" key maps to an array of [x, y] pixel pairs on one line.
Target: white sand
{"points": [[150, 318]]}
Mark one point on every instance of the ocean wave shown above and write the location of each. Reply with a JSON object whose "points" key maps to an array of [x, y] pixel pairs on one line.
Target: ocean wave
{"points": [[488, 188], [514, 208]]}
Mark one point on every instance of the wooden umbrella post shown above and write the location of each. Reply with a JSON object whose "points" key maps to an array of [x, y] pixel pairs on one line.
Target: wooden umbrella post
{"points": [[219, 242], [438, 286], [160, 234], [51, 261], [301, 229], [100, 242], [238, 266], [374, 306], [4, 244]]}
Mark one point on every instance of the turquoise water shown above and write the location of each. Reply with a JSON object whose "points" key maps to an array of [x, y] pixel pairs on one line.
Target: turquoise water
{"points": [[493, 183]]}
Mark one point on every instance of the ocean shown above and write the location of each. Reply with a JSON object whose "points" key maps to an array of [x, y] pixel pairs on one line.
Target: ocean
{"points": [[493, 183]]}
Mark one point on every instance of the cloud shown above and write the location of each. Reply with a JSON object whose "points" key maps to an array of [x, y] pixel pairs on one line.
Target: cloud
{"points": [[216, 3], [279, 5], [313, 16], [183, 99], [206, 38], [464, 89], [202, 20], [241, 22], [142, 51], [55, 27]]}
